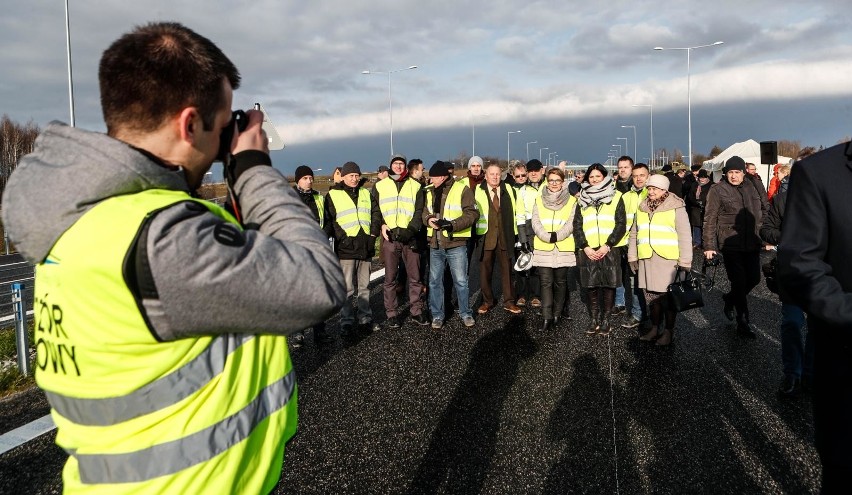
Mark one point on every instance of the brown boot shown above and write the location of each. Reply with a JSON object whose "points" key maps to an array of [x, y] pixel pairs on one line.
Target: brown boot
{"points": [[665, 338], [649, 336]]}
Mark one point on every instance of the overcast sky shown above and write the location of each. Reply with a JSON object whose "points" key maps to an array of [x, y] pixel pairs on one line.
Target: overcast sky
{"points": [[564, 72]]}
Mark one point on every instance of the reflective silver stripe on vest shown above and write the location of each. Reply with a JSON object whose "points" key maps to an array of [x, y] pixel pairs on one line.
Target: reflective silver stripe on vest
{"points": [[154, 396], [177, 455]]}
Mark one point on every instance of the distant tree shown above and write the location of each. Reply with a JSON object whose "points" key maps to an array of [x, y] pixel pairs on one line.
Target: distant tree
{"points": [[716, 151], [844, 140], [16, 140], [789, 148], [700, 158]]}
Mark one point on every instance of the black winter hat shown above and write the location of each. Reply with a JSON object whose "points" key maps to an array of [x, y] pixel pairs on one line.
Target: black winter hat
{"points": [[734, 163], [533, 165], [350, 168], [303, 170], [666, 168], [439, 169]]}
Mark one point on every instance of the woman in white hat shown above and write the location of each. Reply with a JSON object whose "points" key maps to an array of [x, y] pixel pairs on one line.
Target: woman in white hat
{"points": [[660, 244], [553, 246]]}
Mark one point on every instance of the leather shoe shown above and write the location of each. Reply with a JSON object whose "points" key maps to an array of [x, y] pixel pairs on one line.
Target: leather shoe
{"points": [[728, 309], [521, 301], [512, 308], [535, 302], [484, 308], [547, 325], [420, 319], [605, 327], [650, 336]]}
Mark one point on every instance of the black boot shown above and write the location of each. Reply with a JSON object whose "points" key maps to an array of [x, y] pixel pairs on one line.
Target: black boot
{"points": [[744, 327], [606, 311], [594, 311], [728, 310], [547, 325]]}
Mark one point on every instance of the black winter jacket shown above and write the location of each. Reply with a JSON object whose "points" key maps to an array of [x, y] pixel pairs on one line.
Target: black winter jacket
{"points": [[732, 217], [362, 246]]}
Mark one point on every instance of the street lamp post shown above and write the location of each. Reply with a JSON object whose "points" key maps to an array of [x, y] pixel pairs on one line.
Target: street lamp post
{"points": [[68, 50], [688, 96], [625, 145], [473, 132], [634, 140], [548, 157], [539, 152], [508, 156], [619, 148], [652, 132], [390, 96], [528, 148]]}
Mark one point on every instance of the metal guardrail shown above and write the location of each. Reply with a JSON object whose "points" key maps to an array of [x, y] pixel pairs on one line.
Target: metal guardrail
{"points": [[22, 340]]}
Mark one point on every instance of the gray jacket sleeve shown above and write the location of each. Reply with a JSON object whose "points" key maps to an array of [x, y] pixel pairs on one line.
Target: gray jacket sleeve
{"points": [[277, 277]]}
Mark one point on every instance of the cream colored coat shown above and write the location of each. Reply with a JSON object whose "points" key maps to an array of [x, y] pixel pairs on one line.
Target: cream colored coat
{"points": [[554, 258], [656, 273]]}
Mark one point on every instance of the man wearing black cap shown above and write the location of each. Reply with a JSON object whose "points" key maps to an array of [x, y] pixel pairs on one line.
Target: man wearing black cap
{"points": [[449, 214], [353, 219], [382, 173], [316, 203], [401, 204], [732, 221]]}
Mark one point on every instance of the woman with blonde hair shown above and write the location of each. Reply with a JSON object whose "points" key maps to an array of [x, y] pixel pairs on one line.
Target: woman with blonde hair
{"points": [[660, 245], [553, 246]]}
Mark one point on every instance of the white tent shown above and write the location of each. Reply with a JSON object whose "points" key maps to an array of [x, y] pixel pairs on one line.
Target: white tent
{"points": [[750, 152]]}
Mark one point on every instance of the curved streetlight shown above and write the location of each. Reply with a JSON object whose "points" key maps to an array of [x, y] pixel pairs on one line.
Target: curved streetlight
{"points": [[390, 97], [653, 160], [548, 157], [539, 152], [688, 97], [619, 149], [508, 135], [528, 148], [634, 139], [625, 145]]}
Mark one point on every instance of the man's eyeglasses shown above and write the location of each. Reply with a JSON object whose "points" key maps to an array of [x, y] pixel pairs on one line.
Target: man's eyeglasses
{"points": [[520, 176], [554, 181]]}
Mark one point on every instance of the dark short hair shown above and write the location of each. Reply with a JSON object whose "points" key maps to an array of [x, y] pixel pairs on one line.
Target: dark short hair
{"points": [[413, 163], [641, 165], [159, 69], [596, 166], [625, 158]]}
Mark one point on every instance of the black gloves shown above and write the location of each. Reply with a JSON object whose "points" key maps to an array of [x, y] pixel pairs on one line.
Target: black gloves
{"points": [[403, 235], [445, 225], [553, 237]]}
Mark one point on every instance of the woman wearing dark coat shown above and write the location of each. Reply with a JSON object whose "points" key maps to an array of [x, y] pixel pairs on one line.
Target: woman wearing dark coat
{"points": [[695, 197]]}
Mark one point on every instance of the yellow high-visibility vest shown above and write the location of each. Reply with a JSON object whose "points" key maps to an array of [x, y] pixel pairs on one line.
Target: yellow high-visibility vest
{"points": [[351, 218], [598, 224], [656, 234], [452, 207], [397, 206], [631, 201], [137, 414], [552, 221]]}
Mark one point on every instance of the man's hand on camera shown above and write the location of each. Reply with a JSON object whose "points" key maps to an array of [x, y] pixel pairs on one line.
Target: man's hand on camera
{"points": [[254, 137]]}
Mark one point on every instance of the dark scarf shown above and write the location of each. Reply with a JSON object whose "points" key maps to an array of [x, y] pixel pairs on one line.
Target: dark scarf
{"points": [[653, 205], [475, 181], [436, 198]]}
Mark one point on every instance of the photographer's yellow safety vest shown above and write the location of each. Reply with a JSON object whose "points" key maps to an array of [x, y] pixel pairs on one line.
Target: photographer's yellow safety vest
{"points": [[351, 218], [552, 221], [320, 202], [397, 206], [598, 223], [656, 234], [483, 204], [136, 414], [631, 201], [452, 207]]}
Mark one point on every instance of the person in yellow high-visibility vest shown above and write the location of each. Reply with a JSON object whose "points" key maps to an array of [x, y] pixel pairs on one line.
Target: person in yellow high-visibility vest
{"points": [[660, 245], [161, 338], [599, 225]]}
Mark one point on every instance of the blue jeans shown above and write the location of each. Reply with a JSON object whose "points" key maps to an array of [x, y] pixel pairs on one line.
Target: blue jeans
{"points": [[456, 258], [628, 282], [797, 359]]}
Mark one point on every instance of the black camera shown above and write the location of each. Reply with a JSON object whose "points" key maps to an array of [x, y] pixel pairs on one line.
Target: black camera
{"points": [[239, 121], [716, 260]]}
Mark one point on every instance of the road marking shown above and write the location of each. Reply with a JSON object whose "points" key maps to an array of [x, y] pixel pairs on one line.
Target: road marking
{"points": [[24, 434], [30, 431]]}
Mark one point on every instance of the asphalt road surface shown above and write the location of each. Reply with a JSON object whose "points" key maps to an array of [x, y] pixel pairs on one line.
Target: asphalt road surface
{"points": [[503, 408]]}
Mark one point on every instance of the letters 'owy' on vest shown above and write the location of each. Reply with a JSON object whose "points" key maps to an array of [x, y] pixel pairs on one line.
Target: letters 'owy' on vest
{"points": [[349, 217], [137, 414], [631, 200], [552, 221], [483, 204], [397, 205], [598, 223], [452, 207], [656, 234]]}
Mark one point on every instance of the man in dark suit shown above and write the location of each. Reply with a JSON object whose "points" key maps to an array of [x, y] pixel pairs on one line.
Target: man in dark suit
{"points": [[815, 273]]}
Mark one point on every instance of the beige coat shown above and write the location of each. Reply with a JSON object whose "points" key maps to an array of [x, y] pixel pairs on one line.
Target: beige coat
{"points": [[656, 273], [554, 258]]}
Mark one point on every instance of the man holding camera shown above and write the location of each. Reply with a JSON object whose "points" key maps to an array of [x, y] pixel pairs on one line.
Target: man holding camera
{"points": [[169, 343], [401, 204]]}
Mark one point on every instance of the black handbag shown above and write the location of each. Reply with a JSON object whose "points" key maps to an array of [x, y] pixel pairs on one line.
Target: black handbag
{"points": [[685, 293]]}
